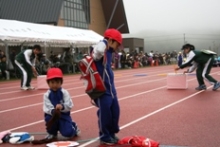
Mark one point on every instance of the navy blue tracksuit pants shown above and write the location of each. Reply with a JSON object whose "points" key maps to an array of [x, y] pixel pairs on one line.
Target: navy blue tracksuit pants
{"points": [[64, 125], [108, 116]]}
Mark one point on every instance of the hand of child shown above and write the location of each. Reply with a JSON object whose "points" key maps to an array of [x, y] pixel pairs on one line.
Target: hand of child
{"points": [[176, 68], [59, 107], [185, 72], [55, 116]]}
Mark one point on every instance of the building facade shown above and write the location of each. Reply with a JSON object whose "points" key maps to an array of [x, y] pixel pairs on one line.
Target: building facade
{"points": [[131, 44], [96, 15]]}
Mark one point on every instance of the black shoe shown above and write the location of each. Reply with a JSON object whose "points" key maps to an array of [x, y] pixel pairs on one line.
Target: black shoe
{"points": [[77, 131], [201, 87], [108, 142], [115, 138], [50, 137], [216, 86]]}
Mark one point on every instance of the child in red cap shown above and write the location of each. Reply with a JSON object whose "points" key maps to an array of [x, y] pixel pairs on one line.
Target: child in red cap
{"points": [[109, 111], [58, 99]]}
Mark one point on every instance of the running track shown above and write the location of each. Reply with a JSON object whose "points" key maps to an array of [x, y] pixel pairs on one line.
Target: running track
{"points": [[171, 117]]}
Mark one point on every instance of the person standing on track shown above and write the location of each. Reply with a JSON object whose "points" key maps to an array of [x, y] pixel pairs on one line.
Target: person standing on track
{"points": [[109, 110], [26, 67], [202, 61]]}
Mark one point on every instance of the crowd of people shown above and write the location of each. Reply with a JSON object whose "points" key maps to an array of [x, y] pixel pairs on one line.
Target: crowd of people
{"points": [[134, 59], [68, 60]]}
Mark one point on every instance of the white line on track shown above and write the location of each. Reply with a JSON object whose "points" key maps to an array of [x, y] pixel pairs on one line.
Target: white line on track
{"points": [[126, 97], [80, 110], [148, 115], [66, 89], [79, 82], [76, 96]]}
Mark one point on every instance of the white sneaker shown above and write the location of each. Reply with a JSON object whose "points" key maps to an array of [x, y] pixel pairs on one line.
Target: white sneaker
{"points": [[50, 136], [77, 130], [30, 87], [24, 88]]}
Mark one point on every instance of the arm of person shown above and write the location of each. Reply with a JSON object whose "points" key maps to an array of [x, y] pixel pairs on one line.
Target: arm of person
{"points": [[193, 67], [189, 60], [27, 55], [34, 61], [68, 104], [48, 107], [99, 50]]}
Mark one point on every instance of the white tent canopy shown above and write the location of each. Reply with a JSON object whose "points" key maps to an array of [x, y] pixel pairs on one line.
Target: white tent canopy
{"points": [[16, 32]]}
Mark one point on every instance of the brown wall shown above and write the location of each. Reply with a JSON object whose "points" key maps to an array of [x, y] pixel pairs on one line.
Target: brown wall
{"points": [[128, 42], [133, 43], [61, 22], [97, 23]]}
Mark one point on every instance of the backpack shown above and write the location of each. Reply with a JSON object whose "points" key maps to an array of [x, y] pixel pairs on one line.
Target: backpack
{"points": [[94, 85], [138, 141], [209, 52]]}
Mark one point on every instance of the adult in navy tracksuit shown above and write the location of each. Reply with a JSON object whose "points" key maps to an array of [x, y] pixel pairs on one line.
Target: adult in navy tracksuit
{"points": [[109, 111], [180, 59]]}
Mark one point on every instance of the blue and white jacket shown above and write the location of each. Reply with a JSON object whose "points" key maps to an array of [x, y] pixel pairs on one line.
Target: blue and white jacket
{"points": [[104, 68], [52, 98]]}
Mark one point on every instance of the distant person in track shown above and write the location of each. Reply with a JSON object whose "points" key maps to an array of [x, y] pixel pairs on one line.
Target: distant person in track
{"points": [[180, 59], [202, 61], [26, 67], [3, 68], [109, 111], [58, 100]]}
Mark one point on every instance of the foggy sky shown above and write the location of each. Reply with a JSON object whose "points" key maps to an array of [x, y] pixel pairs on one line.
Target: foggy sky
{"points": [[163, 23]]}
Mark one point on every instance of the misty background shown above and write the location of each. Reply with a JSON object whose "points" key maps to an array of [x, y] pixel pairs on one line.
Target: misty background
{"points": [[165, 25]]}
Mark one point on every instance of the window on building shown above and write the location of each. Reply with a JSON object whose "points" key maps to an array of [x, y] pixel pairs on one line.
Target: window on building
{"points": [[76, 13]]}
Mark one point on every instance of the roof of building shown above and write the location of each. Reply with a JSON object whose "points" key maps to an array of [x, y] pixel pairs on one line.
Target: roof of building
{"points": [[44, 11], [119, 19]]}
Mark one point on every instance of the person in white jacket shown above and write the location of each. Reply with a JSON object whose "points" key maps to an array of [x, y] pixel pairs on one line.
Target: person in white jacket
{"points": [[57, 98]]}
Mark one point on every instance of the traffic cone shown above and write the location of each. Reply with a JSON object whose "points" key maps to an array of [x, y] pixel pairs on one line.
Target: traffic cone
{"points": [[152, 63], [157, 63], [136, 64]]}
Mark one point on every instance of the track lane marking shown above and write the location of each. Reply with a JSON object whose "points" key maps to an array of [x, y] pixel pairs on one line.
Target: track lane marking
{"points": [[148, 115]]}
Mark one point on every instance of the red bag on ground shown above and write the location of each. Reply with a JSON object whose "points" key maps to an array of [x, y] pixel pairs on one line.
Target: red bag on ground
{"points": [[138, 141], [93, 82]]}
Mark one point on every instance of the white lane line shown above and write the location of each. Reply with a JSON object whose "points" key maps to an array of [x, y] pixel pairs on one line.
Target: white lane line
{"points": [[76, 96], [37, 122], [66, 89], [80, 82], [148, 115], [74, 77], [22, 107], [126, 97]]}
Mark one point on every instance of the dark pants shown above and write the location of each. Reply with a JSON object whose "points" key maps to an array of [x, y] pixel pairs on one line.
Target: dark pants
{"points": [[203, 71], [64, 125], [180, 62], [108, 116], [4, 74], [26, 72]]}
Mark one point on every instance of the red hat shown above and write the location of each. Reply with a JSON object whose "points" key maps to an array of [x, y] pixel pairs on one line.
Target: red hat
{"points": [[113, 34], [54, 73]]}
